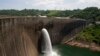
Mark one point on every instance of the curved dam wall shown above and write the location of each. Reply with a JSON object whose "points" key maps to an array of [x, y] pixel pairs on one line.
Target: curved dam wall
{"points": [[21, 36], [63, 30]]}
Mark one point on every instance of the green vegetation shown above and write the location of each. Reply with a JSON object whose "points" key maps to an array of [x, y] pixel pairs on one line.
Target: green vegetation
{"points": [[90, 34], [90, 13]]}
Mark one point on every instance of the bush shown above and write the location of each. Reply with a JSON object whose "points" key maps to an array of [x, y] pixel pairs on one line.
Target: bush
{"points": [[90, 34]]}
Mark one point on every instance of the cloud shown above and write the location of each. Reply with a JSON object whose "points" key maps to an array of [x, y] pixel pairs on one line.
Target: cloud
{"points": [[49, 4], [62, 4], [89, 3], [46, 4]]}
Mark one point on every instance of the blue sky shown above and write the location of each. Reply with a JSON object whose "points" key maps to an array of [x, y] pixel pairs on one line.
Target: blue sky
{"points": [[48, 4]]}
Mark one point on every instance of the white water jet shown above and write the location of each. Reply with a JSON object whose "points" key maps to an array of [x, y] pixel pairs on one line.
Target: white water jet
{"points": [[47, 48]]}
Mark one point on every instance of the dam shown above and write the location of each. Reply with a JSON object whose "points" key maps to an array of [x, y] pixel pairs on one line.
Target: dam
{"points": [[21, 36]]}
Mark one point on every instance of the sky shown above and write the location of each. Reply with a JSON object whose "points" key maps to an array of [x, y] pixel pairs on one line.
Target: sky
{"points": [[48, 4]]}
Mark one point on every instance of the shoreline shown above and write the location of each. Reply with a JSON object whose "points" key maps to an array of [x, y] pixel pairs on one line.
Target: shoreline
{"points": [[91, 46]]}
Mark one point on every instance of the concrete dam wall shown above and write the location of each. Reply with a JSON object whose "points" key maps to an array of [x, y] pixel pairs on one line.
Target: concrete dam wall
{"points": [[21, 36]]}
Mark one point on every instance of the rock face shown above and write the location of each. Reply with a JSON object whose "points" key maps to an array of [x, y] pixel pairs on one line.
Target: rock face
{"points": [[21, 36]]}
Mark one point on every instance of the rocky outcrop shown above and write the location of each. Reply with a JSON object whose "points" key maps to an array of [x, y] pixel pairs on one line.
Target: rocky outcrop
{"points": [[83, 44]]}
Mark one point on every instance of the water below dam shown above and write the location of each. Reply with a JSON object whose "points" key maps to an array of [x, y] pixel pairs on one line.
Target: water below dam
{"points": [[65, 50]]}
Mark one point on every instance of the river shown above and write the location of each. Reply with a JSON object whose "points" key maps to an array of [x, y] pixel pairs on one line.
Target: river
{"points": [[65, 50]]}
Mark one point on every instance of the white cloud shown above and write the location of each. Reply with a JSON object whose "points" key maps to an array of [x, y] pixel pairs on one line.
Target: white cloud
{"points": [[48, 4], [89, 3], [62, 4]]}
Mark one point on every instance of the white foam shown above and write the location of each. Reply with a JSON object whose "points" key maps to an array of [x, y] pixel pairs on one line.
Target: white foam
{"points": [[48, 51]]}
